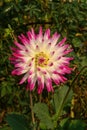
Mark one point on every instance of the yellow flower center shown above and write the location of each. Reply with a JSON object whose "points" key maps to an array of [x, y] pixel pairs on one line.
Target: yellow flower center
{"points": [[41, 59]]}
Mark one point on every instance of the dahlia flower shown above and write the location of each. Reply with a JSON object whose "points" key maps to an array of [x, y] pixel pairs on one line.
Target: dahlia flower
{"points": [[41, 59]]}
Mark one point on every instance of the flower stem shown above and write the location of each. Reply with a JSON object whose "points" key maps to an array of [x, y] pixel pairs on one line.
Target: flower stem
{"points": [[74, 80], [32, 113]]}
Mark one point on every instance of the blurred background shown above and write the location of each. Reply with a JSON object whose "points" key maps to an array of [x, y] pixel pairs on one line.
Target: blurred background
{"points": [[67, 17]]}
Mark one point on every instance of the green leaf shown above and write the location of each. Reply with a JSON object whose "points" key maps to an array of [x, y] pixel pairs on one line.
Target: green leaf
{"points": [[69, 98], [59, 97], [42, 112], [74, 125], [5, 128], [84, 61], [76, 42], [3, 91], [77, 125], [8, 8], [42, 126], [17, 122], [5, 88], [63, 122]]}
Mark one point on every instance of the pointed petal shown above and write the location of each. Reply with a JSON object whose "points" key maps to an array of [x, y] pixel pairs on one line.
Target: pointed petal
{"points": [[49, 85], [62, 42], [47, 34], [24, 78]]}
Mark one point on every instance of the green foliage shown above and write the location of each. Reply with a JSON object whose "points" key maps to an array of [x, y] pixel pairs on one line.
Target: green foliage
{"points": [[60, 98], [42, 113], [70, 20], [73, 124], [5, 128], [17, 122]]}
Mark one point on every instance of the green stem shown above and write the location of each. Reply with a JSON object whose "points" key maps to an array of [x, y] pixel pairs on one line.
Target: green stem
{"points": [[72, 84], [40, 97], [32, 113]]}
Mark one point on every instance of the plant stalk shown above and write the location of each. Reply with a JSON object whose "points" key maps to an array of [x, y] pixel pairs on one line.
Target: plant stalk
{"points": [[32, 113], [74, 80]]}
